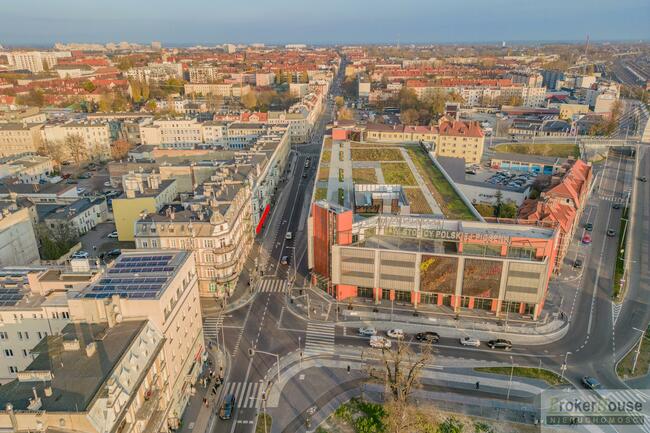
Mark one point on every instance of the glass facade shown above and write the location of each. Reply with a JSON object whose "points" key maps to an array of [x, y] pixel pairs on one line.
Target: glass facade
{"points": [[482, 278], [438, 274]]}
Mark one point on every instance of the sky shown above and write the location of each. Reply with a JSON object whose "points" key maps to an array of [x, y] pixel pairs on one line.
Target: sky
{"points": [[180, 22]]}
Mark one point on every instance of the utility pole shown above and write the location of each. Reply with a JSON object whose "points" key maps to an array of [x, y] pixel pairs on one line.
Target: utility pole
{"points": [[512, 370], [564, 365]]}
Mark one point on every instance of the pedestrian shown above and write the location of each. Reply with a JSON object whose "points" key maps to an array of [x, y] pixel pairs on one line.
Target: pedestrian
{"points": [[478, 385]]}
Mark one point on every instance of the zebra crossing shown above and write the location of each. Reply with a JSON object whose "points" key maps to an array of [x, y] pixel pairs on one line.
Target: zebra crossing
{"points": [[272, 285], [211, 325], [320, 339], [248, 395], [627, 396]]}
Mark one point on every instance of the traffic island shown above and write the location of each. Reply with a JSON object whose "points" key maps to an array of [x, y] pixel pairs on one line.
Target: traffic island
{"points": [[637, 361], [618, 292], [547, 376], [263, 424]]}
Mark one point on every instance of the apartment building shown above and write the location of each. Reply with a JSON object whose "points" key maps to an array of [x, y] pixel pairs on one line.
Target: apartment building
{"points": [[34, 61], [218, 230], [160, 286], [34, 305], [23, 115], [452, 138], [226, 90], [204, 74], [27, 169], [18, 245], [81, 216], [143, 193], [94, 137], [173, 133], [19, 138], [155, 72]]}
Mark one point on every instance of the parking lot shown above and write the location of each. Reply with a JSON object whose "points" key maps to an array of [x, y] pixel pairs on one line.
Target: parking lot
{"points": [[96, 241], [515, 180]]}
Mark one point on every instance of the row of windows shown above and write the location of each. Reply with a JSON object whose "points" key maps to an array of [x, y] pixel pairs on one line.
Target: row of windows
{"points": [[54, 315], [22, 335], [9, 353]]}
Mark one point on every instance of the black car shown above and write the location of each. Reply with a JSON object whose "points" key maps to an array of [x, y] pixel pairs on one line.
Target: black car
{"points": [[227, 407], [499, 343], [611, 233], [589, 227], [577, 264], [643, 179], [616, 206], [428, 337], [590, 382]]}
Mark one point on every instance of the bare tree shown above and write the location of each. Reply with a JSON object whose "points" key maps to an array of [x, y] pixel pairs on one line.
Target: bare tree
{"points": [[76, 147], [53, 149], [400, 369]]}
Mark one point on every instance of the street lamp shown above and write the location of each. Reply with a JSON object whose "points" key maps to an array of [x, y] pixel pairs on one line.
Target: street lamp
{"points": [[564, 365], [638, 349], [252, 352]]}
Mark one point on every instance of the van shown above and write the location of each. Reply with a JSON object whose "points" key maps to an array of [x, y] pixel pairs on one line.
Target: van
{"points": [[227, 407]]}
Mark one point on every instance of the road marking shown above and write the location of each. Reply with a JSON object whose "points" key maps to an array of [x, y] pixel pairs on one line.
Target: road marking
{"points": [[272, 285], [248, 395], [211, 325], [320, 338], [616, 311]]}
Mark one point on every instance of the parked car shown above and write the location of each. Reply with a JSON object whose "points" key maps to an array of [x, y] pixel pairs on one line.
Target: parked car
{"points": [[586, 239], [590, 382], [470, 341], [643, 179], [589, 227], [367, 331], [616, 206], [284, 260], [107, 184], [577, 264], [380, 342], [227, 407], [611, 233], [288, 236], [395, 333], [85, 176], [428, 337], [80, 255], [499, 343], [113, 234]]}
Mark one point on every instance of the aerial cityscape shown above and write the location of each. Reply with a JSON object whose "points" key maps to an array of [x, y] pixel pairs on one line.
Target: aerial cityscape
{"points": [[328, 218]]}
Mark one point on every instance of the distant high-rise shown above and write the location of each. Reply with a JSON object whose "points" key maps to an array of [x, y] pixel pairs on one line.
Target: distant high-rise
{"points": [[156, 45]]}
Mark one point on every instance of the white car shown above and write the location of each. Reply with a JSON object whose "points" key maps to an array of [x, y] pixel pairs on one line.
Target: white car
{"points": [[367, 331], [380, 342], [470, 341], [107, 183], [395, 333], [288, 236], [113, 234], [80, 255]]}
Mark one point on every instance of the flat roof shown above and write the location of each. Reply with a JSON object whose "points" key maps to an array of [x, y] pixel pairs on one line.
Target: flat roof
{"points": [[76, 377]]}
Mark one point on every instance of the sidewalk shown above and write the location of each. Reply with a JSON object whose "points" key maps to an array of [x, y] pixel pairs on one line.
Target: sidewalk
{"points": [[197, 415], [383, 315]]}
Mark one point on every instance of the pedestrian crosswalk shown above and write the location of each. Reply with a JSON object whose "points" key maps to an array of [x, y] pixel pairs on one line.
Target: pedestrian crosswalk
{"points": [[320, 339], [272, 285], [614, 198], [211, 324], [247, 394], [627, 397]]}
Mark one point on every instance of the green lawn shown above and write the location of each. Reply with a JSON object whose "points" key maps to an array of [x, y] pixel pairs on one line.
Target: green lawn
{"points": [[327, 155], [624, 368], [262, 419], [376, 154], [451, 204], [530, 372], [364, 175], [398, 173], [560, 150], [619, 267], [417, 201]]}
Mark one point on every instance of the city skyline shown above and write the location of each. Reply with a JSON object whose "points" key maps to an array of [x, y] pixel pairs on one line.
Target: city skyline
{"points": [[332, 23]]}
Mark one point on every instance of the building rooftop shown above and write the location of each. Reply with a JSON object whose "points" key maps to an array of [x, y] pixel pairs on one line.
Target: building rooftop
{"points": [[75, 376], [137, 275]]}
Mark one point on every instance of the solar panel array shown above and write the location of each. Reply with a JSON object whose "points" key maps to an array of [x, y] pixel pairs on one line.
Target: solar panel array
{"points": [[10, 296], [140, 286]]}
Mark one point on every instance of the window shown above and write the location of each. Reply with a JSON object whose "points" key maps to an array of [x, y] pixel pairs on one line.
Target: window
{"points": [[9, 353], [20, 335], [4, 335], [65, 315], [25, 352], [13, 369]]}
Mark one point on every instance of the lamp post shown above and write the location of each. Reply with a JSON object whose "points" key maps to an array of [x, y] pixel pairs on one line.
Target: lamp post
{"points": [[252, 352], [564, 365], [638, 349]]}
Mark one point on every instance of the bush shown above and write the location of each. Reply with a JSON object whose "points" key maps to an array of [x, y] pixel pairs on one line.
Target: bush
{"points": [[450, 425]]}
